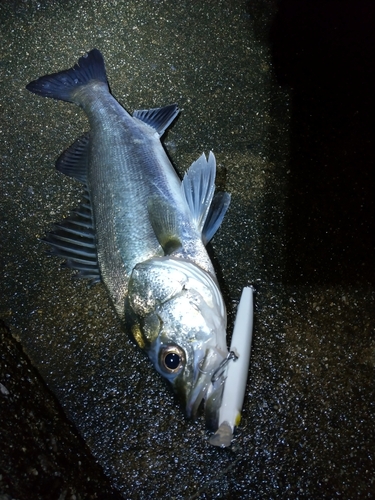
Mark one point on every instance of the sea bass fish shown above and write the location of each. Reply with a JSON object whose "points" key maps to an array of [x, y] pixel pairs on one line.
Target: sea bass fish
{"points": [[142, 232]]}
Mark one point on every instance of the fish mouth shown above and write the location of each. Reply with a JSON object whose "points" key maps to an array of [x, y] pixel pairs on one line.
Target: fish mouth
{"points": [[208, 387]]}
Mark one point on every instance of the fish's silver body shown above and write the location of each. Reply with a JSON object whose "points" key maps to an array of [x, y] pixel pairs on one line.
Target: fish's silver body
{"points": [[145, 233]]}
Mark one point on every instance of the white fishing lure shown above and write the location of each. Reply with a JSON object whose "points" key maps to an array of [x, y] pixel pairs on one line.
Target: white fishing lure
{"points": [[237, 372]]}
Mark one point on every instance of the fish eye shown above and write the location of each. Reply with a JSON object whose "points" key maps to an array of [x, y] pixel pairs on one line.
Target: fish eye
{"points": [[172, 358]]}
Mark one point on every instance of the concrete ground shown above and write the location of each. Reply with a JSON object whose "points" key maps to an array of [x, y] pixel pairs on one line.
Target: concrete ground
{"points": [[283, 97]]}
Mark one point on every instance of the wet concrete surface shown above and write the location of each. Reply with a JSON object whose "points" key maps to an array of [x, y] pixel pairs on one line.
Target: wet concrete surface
{"points": [[42, 454], [308, 428]]}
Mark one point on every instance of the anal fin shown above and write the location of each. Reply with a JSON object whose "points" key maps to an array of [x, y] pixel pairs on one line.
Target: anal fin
{"points": [[74, 160]]}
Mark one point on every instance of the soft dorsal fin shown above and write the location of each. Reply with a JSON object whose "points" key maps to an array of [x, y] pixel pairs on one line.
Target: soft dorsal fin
{"points": [[74, 160], [165, 224], [158, 118], [198, 188]]}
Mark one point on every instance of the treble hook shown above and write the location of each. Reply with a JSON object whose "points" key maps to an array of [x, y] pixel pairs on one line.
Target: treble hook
{"points": [[221, 367]]}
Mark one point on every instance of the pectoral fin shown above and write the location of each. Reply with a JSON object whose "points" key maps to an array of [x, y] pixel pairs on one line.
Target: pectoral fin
{"points": [[165, 224]]}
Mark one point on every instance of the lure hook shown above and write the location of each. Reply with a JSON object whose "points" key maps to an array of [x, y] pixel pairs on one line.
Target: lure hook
{"points": [[221, 368]]}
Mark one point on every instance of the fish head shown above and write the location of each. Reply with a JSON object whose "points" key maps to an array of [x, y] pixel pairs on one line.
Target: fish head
{"points": [[181, 324]]}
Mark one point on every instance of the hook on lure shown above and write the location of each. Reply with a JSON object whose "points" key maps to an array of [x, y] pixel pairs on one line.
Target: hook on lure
{"points": [[219, 372]]}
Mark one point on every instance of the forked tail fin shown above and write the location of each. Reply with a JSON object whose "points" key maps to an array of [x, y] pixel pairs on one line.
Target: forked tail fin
{"points": [[62, 85]]}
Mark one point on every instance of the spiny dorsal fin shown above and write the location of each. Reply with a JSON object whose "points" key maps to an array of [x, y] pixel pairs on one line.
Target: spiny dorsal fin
{"points": [[158, 118], [198, 187], [165, 224], [215, 216], [74, 160]]}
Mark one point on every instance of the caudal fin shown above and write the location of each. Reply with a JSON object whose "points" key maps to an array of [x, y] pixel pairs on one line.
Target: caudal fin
{"points": [[62, 85]]}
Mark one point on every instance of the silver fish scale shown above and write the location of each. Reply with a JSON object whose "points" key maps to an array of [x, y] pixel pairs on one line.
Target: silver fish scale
{"points": [[127, 166]]}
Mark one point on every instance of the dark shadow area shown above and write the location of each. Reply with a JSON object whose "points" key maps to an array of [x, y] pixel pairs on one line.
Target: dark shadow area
{"points": [[324, 51], [42, 455]]}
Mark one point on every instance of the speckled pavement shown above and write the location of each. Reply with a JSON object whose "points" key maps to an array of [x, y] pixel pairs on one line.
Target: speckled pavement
{"points": [[308, 428]]}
